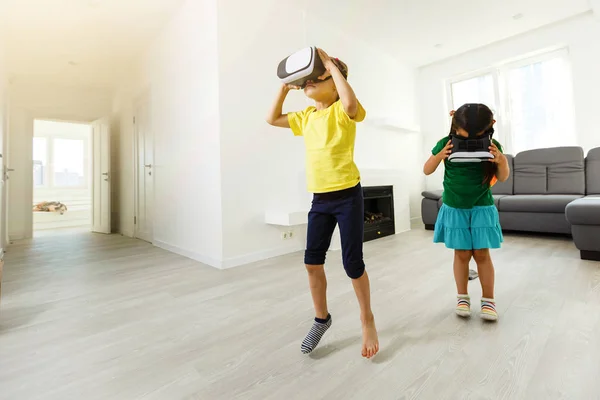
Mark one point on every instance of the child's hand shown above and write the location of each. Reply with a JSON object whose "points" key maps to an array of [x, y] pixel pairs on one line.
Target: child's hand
{"points": [[445, 153], [327, 63], [498, 156], [291, 87]]}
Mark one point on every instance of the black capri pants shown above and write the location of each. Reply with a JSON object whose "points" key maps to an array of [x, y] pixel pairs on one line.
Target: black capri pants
{"points": [[346, 208]]}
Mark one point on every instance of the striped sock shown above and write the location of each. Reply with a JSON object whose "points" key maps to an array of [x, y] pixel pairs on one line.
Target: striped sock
{"points": [[463, 305], [488, 310], [315, 334]]}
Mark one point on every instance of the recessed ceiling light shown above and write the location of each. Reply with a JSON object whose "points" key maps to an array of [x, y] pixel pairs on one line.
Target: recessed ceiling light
{"points": [[438, 46], [517, 17], [73, 63]]}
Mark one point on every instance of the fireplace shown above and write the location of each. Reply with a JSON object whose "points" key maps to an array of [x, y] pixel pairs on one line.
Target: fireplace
{"points": [[379, 212]]}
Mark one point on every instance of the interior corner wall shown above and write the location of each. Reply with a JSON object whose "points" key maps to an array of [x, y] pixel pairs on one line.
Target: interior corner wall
{"points": [[180, 73], [579, 34], [122, 163], [29, 101]]}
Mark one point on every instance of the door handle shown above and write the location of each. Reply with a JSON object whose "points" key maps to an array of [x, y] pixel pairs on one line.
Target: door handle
{"points": [[148, 165], [107, 176], [9, 170]]}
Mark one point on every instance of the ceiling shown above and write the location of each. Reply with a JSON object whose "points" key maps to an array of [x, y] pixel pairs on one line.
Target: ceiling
{"points": [[79, 42], [425, 31], [91, 42]]}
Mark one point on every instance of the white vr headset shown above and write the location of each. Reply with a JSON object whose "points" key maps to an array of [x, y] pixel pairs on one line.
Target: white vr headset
{"points": [[302, 66]]}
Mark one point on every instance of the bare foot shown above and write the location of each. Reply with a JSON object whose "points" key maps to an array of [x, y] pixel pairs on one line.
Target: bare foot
{"points": [[370, 345]]}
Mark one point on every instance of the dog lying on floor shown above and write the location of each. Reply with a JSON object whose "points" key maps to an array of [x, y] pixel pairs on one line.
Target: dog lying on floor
{"points": [[50, 206]]}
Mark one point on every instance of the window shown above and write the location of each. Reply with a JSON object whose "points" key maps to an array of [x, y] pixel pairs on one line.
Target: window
{"points": [[69, 158], [541, 105], [60, 155], [532, 101], [475, 90]]}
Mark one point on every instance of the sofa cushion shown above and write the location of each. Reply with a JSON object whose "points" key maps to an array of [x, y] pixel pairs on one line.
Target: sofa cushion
{"points": [[508, 186], [584, 211], [433, 194], [551, 203], [497, 198], [557, 170], [592, 171]]}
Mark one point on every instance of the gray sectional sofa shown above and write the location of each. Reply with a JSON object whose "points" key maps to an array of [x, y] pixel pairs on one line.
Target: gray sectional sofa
{"points": [[554, 190]]}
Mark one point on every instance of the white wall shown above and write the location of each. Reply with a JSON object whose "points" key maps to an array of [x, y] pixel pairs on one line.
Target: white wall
{"points": [[181, 74], [3, 145], [28, 101], [263, 167], [389, 93], [580, 34]]}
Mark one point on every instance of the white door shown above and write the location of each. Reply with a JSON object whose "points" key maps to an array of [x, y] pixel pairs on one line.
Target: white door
{"points": [[145, 171], [101, 176]]}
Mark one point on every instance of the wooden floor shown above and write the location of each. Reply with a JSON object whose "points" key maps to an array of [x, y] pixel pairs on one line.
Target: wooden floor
{"points": [[105, 317]]}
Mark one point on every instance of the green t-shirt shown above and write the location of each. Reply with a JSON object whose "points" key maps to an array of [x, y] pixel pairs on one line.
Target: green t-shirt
{"points": [[463, 182]]}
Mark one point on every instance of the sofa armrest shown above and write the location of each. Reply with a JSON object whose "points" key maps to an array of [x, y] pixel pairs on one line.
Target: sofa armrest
{"points": [[433, 194]]}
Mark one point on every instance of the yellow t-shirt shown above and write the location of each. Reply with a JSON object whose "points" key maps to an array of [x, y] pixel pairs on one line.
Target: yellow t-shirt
{"points": [[329, 136]]}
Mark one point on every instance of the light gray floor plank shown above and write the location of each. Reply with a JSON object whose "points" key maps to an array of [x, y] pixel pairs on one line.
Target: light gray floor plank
{"points": [[87, 316]]}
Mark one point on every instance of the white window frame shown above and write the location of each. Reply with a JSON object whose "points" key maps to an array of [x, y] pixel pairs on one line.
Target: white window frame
{"points": [[47, 166], [499, 72]]}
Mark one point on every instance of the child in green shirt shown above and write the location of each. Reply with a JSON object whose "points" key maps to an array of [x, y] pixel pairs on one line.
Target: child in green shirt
{"points": [[468, 221]]}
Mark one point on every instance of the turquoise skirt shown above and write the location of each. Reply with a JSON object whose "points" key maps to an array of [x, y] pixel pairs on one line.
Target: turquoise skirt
{"points": [[476, 228]]}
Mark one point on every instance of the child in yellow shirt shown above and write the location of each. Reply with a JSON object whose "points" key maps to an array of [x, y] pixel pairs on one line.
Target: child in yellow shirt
{"points": [[329, 131]]}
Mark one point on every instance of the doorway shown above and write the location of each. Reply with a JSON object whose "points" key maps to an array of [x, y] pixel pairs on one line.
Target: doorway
{"points": [[144, 171], [62, 176], [71, 177]]}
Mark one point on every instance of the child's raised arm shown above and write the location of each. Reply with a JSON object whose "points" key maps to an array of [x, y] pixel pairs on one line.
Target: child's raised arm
{"points": [[345, 91], [434, 161], [276, 116]]}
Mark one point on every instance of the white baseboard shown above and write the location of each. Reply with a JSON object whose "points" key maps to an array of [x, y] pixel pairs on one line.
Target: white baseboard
{"points": [[189, 254], [127, 233], [259, 256]]}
